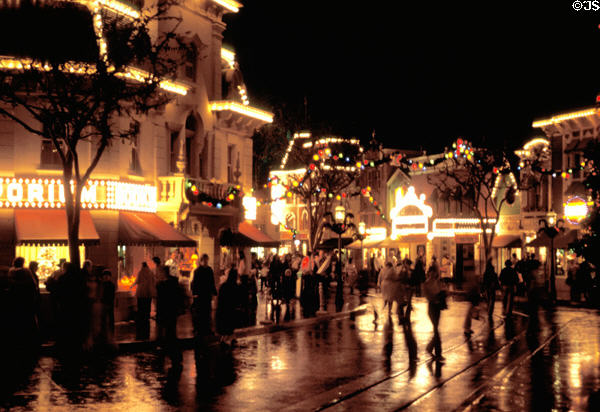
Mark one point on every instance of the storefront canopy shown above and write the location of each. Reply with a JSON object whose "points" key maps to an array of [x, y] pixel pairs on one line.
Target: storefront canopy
{"points": [[368, 242], [49, 226], [561, 241], [247, 235], [255, 234], [417, 238], [507, 241], [147, 229]]}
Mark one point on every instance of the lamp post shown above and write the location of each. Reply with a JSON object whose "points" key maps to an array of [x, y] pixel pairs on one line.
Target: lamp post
{"points": [[552, 229], [339, 224]]}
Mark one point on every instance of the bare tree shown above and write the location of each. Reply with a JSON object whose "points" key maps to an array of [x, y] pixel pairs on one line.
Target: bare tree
{"points": [[324, 178], [475, 178], [112, 69]]}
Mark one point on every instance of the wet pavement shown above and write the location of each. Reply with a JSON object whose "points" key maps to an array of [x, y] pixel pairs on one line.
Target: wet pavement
{"points": [[346, 365]]}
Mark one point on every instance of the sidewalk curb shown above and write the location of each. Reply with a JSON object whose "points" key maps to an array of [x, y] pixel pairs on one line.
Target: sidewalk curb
{"points": [[188, 342]]}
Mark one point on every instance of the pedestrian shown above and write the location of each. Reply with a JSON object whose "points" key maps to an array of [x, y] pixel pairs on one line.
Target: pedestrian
{"points": [[446, 272], [490, 286], [22, 300], [309, 295], [392, 291], [436, 302], [571, 279], [170, 303], [351, 275], [418, 275], [583, 281], [405, 274], [33, 268], [107, 317], [71, 289], [241, 264], [158, 270], [203, 291], [275, 274], [536, 287], [145, 291], [473, 296], [228, 308], [508, 281]]}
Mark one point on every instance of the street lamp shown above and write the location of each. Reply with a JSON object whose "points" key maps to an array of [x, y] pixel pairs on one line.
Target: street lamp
{"points": [[552, 229], [340, 224]]}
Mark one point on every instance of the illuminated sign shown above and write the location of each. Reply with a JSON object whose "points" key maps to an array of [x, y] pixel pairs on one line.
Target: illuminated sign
{"points": [[410, 215], [448, 227], [249, 204], [576, 209], [97, 194]]}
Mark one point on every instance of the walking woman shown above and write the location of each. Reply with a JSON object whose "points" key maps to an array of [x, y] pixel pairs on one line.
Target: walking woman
{"points": [[436, 298], [392, 290]]}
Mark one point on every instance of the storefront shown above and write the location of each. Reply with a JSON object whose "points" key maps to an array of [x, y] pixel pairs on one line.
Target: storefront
{"points": [[118, 225]]}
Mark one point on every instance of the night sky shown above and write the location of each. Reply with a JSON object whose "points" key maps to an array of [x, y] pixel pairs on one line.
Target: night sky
{"points": [[423, 74]]}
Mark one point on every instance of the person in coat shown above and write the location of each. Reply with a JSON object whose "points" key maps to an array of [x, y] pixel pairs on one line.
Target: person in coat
{"points": [[203, 289], [490, 285], [146, 290], [170, 303], [432, 289], [228, 307], [392, 291], [508, 280]]}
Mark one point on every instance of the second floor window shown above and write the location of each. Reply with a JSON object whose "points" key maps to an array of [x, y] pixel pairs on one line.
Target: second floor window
{"points": [[174, 152], [49, 157], [135, 166], [230, 151]]}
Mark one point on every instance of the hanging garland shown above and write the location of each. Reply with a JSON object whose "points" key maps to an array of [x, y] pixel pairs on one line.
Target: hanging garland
{"points": [[194, 195]]}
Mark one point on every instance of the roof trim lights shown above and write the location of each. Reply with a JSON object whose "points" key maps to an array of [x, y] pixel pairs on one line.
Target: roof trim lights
{"points": [[566, 116], [232, 6], [536, 141], [228, 56], [245, 110], [120, 8]]}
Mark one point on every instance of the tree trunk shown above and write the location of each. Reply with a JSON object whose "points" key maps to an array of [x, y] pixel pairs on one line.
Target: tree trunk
{"points": [[73, 207]]}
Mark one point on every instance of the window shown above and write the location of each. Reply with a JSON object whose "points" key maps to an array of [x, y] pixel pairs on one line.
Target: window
{"points": [[135, 166], [190, 134], [174, 150], [230, 150], [191, 64], [49, 157]]}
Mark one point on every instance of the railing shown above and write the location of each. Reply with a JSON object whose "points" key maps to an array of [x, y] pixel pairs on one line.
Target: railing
{"points": [[171, 189]]}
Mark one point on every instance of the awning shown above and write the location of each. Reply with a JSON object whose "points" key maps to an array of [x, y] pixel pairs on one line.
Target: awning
{"points": [[368, 242], [49, 226], [507, 241], [255, 234], [7, 227], [332, 243], [137, 228], [561, 241], [388, 242]]}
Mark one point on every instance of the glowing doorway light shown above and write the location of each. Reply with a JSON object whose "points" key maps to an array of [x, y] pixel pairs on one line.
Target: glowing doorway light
{"points": [[410, 215]]}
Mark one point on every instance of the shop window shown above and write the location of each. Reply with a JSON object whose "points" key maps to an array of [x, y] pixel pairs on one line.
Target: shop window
{"points": [[135, 165], [49, 157]]}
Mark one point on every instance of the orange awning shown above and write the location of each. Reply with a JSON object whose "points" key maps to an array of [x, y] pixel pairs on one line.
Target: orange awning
{"points": [[252, 232], [137, 228], [49, 226]]}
